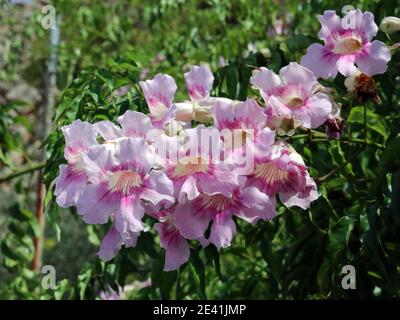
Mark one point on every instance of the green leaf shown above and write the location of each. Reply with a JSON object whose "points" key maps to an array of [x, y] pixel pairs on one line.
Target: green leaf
{"points": [[395, 197], [374, 121], [232, 81], [198, 270], [165, 281]]}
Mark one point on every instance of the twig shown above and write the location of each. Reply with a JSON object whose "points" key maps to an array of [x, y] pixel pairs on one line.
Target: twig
{"points": [[21, 172]]}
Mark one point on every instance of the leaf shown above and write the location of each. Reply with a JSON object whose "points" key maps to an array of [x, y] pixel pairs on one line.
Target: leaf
{"points": [[213, 255], [232, 80], [395, 197], [374, 121], [199, 272], [163, 280], [339, 235]]}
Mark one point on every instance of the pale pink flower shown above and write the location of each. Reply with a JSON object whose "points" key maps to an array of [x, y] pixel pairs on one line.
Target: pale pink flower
{"points": [[118, 182], [347, 42], [293, 94], [199, 81], [282, 171], [159, 93], [176, 247], [193, 167], [133, 124], [192, 217], [112, 242], [79, 137], [246, 121]]}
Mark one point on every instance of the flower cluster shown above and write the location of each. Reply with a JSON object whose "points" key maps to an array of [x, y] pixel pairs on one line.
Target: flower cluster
{"points": [[192, 181]]}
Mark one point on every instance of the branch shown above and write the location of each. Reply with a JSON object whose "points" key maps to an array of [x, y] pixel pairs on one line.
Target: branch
{"points": [[318, 136], [21, 172]]}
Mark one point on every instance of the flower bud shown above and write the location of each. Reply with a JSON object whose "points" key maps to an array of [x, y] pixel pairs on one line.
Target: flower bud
{"points": [[334, 127], [390, 24]]}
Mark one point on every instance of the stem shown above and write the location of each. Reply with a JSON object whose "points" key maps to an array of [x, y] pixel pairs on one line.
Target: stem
{"points": [[365, 125], [325, 177], [21, 172], [322, 137], [38, 241], [47, 107]]}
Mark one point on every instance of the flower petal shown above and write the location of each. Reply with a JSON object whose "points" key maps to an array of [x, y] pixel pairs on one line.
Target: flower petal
{"points": [[223, 230], [159, 94], [69, 185], [94, 205], [265, 80], [199, 81], [108, 130], [110, 245], [374, 58], [297, 74], [191, 223], [176, 247], [257, 205], [315, 112], [321, 62], [135, 124], [79, 137], [128, 215], [301, 199], [330, 22]]}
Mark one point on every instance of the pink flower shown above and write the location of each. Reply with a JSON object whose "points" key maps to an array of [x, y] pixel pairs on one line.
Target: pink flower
{"points": [[110, 294], [113, 241], [199, 81], [133, 124], [347, 41], [282, 171], [117, 184], [247, 123], [79, 137], [176, 246], [193, 163], [159, 94], [292, 94], [193, 216]]}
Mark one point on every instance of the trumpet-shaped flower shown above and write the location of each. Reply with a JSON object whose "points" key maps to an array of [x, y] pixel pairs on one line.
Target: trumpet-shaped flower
{"points": [[292, 95], [79, 137], [282, 171], [113, 241], [347, 41], [193, 216], [246, 122], [199, 81], [118, 182], [176, 246], [194, 165], [159, 93], [133, 124]]}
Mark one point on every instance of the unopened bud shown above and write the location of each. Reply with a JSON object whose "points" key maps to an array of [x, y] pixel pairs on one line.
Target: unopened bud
{"points": [[334, 127], [390, 24]]}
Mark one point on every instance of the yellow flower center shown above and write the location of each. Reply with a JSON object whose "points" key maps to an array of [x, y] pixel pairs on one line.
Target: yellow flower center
{"points": [[347, 46], [269, 173], [124, 181], [295, 102], [190, 165], [218, 202]]}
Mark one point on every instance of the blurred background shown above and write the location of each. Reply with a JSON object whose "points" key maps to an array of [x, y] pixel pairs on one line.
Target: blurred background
{"points": [[160, 36]]}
